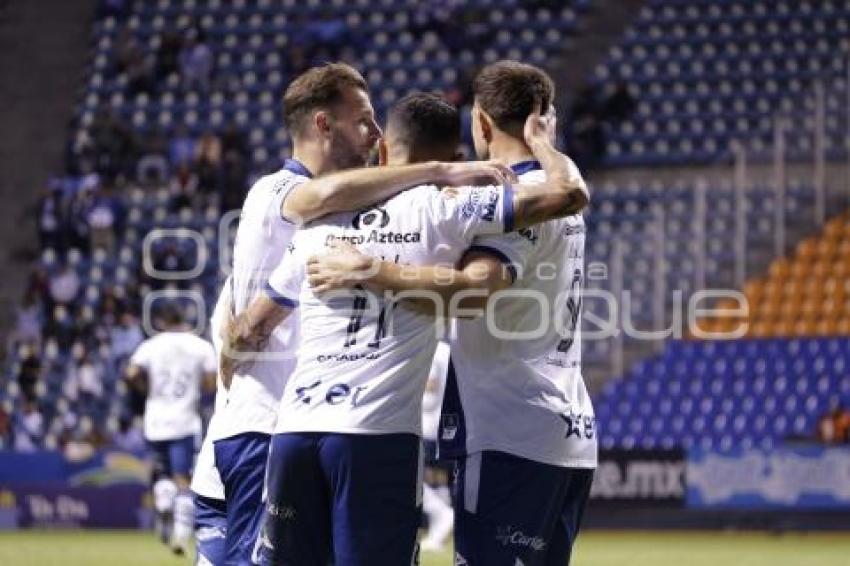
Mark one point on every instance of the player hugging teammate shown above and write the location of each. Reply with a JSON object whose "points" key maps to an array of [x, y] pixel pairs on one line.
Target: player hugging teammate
{"points": [[314, 453]]}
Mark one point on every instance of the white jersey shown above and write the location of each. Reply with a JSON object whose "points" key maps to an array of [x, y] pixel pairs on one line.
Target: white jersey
{"points": [[175, 363], [526, 396], [433, 398], [363, 360], [261, 240], [206, 480]]}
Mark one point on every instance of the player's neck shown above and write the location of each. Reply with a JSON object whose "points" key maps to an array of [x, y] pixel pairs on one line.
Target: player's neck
{"points": [[312, 159], [509, 150]]}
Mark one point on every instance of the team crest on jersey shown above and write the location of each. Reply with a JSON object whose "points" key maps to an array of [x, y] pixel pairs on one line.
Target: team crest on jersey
{"points": [[375, 217], [460, 560], [481, 202]]}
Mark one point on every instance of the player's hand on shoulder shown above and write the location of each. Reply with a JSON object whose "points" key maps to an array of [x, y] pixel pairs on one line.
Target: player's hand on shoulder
{"points": [[342, 267]]}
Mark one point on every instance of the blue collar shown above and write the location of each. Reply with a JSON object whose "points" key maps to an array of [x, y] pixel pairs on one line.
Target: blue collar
{"points": [[295, 166], [524, 167]]}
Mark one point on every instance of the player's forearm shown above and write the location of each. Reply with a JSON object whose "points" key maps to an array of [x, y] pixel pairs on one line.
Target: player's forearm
{"points": [[436, 290], [356, 189], [562, 194]]}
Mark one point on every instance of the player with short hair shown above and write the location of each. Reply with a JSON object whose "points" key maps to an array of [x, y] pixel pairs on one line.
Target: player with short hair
{"points": [[171, 368], [330, 118], [516, 411], [344, 467]]}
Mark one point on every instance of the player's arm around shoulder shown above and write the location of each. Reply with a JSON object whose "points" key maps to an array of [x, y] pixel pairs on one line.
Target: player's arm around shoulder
{"points": [[563, 193], [358, 188]]}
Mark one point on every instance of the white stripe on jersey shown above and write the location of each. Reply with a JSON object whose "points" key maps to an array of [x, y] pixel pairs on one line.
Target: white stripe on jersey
{"points": [[363, 362]]}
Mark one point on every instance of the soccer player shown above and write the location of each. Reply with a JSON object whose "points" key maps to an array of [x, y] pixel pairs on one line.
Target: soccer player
{"points": [[435, 505], [210, 503], [171, 368], [516, 411], [330, 118], [344, 466]]}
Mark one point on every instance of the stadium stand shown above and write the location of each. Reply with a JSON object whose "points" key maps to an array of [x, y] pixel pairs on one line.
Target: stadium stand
{"points": [[180, 111], [704, 72], [726, 394]]}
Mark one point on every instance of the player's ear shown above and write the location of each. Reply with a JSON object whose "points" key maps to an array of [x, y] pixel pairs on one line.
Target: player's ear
{"points": [[383, 152], [322, 121], [485, 123]]}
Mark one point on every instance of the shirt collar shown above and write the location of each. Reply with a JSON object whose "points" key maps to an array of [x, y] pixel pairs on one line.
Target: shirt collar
{"points": [[525, 166], [295, 166]]}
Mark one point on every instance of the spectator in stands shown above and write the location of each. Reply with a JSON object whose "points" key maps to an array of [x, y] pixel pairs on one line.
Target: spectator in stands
{"points": [[834, 427], [29, 428], [62, 328], [113, 144], [181, 148], [168, 55], [196, 61], [208, 162], [106, 217], [27, 322], [124, 337], [234, 185], [51, 217], [5, 426], [90, 378], [183, 188], [64, 286], [129, 437], [619, 104], [152, 168], [29, 374]]}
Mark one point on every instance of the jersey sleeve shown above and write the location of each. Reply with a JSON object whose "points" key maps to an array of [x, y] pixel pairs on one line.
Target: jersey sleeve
{"points": [[284, 284], [142, 356], [209, 363], [513, 249], [473, 211], [281, 189]]}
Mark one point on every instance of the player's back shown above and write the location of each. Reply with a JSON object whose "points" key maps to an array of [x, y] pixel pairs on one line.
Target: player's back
{"points": [[515, 383], [261, 239], [175, 363], [363, 361]]}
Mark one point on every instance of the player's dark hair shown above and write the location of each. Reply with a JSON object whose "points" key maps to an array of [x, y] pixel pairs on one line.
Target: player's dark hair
{"points": [[317, 89], [508, 90], [170, 314], [424, 122]]}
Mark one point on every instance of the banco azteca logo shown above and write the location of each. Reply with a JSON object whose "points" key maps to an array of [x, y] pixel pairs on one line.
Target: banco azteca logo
{"points": [[375, 217]]}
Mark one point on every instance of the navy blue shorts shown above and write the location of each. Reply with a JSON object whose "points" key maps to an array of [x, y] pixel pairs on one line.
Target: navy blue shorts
{"points": [[210, 529], [511, 510], [173, 457], [241, 463], [350, 499]]}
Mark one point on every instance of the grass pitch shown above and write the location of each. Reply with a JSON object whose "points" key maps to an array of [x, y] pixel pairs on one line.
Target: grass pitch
{"points": [[595, 548]]}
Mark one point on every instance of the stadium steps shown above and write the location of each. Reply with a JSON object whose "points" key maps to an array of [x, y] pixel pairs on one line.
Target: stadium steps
{"points": [[43, 53], [600, 28]]}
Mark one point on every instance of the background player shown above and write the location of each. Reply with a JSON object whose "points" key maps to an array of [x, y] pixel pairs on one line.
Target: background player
{"points": [[527, 476], [435, 497], [358, 404], [170, 368]]}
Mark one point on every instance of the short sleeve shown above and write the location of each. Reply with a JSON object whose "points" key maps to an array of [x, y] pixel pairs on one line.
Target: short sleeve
{"points": [[513, 249], [282, 189], [284, 285], [208, 357], [473, 211], [142, 356]]}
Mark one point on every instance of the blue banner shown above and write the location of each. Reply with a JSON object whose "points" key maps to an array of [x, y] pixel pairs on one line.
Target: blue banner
{"points": [[800, 477], [44, 505], [105, 468]]}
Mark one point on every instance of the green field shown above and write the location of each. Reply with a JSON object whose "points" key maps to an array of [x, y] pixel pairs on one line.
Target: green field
{"points": [[595, 548]]}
